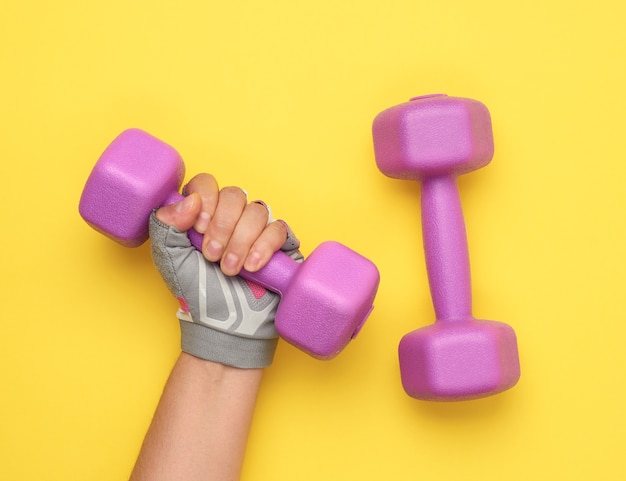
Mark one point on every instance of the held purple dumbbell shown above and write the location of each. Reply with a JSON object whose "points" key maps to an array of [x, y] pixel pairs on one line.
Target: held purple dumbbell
{"points": [[433, 139], [324, 301]]}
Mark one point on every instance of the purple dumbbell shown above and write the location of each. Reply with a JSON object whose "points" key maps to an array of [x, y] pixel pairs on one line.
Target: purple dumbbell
{"points": [[433, 139], [324, 301]]}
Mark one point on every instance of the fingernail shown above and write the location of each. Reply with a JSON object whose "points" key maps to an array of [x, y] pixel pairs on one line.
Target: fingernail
{"points": [[253, 261], [213, 250], [230, 262], [203, 222]]}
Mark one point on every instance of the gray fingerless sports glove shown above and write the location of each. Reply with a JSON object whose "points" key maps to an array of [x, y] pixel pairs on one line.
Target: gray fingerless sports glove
{"points": [[223, 319]]}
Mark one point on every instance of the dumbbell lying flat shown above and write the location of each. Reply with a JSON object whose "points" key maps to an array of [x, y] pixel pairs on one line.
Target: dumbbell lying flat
{"points": [[324, 301], [433, 139]]}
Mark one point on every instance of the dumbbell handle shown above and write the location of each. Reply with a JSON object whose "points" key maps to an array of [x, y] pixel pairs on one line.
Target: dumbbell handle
{"points": [[275, 275], [445, 246]]}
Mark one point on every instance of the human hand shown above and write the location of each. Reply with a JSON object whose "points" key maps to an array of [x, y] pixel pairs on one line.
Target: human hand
{"points": [[237, 233], [223, 318]]}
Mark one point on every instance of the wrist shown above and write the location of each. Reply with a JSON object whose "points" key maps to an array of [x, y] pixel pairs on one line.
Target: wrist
{"points": [[224, 348]]}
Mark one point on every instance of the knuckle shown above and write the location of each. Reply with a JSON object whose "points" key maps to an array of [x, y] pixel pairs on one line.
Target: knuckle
{"points": [[258, 210], [199, 181], [233, 192], [204, 177], [275, 235], [280, 228]]}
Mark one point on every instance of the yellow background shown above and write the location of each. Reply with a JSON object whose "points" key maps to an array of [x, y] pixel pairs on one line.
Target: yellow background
{"points": [[279, 97]]}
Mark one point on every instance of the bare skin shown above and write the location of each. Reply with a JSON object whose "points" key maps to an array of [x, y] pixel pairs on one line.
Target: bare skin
{"points": [[201, 425]]}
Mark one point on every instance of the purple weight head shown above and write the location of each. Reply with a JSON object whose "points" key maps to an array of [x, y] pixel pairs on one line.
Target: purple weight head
{"points": [[324, 301], [433, 135], [134, 175], [434, 139], [459, 360]]}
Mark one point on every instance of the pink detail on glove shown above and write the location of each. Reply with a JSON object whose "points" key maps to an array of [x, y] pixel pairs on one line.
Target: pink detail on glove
{"points": [[257, 290], [183, 304]]}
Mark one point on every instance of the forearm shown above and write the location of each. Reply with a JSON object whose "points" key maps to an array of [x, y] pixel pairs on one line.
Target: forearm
{"points": [[201, 425]]}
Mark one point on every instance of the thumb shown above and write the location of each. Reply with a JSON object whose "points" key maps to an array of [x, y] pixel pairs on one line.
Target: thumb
{"points": [[181, 214]]}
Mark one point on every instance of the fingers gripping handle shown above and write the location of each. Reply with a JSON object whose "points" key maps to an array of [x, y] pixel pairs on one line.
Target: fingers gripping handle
{"points": [[276, 274]]}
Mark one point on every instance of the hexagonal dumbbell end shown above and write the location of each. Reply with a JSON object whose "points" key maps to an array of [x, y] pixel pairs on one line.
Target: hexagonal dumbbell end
{"points": [[459, 360], [433, 135], [325, 300], [135, 174]]}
